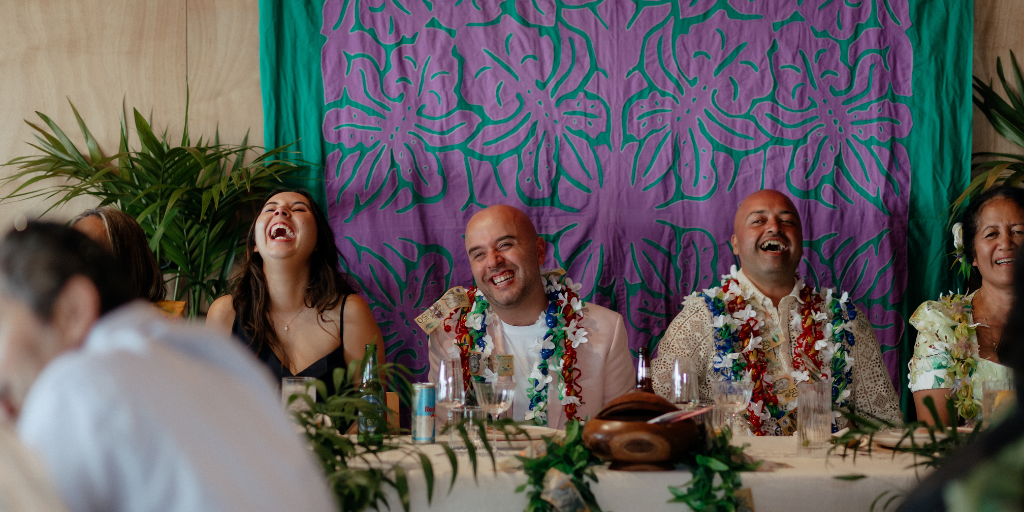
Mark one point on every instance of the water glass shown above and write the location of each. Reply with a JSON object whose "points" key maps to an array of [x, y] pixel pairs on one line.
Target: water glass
{"points": [[451, 392], [684, 392], [732, 397], [296, 386], [813, 418], [998, 398], [474, 416]]}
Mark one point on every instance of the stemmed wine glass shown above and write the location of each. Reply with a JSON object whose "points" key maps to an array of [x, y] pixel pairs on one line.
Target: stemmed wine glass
{"points": [[684, 384], [451, 392], [495, 397], [732, 396]]}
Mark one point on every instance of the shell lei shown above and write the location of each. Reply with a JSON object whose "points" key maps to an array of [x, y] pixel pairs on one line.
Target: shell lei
{"points": [[739, 356], [964, 355], [564, 335]]}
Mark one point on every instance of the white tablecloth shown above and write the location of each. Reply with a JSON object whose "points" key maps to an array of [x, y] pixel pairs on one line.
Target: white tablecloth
{"points": [[809, 485]]}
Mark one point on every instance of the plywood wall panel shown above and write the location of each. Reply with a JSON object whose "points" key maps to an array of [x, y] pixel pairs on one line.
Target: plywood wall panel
{"points": [[998, 28], [95, 53], [224, 69]]}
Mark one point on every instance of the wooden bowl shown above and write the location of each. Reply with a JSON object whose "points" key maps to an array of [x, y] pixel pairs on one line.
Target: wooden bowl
{"points": [[620, 434]]}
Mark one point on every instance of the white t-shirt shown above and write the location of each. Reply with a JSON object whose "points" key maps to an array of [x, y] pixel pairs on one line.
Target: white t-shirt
{"points": [[521, 341], [155, 415]]}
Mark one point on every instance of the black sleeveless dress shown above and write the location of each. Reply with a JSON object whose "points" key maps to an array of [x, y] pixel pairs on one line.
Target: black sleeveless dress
{"points": [[322, 369]]}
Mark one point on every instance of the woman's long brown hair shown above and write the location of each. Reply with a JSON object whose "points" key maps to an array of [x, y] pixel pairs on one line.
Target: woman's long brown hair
{"points": [[324, 290], [130, 246]]}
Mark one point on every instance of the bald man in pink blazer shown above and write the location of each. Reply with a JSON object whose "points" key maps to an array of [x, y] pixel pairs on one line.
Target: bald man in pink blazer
{"points": [[505, 254]]}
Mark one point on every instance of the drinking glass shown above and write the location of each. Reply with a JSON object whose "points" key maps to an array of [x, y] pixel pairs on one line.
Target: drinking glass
{"points": [[451, 392], [732, 396], [997, 399], [684, 384], [813, 418], [495, 397], [296, 386], [474, 416]]}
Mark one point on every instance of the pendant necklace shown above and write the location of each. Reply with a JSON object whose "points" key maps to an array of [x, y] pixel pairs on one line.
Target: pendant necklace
{"points": [[293, 318]]}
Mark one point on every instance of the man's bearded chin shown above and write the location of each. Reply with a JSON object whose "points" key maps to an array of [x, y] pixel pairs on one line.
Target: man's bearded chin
{"points": [[512, 302]]}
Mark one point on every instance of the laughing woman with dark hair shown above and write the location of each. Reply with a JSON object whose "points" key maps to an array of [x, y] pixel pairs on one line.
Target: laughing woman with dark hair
{"points": [[290, 303], [958, 335]]}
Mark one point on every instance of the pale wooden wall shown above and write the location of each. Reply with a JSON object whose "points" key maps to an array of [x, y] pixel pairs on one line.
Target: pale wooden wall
{"points": [[96, 52], [998, 28]]}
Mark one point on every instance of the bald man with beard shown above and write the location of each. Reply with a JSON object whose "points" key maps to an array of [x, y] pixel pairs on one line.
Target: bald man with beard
{"points": [[506, 254], [768, 240]]}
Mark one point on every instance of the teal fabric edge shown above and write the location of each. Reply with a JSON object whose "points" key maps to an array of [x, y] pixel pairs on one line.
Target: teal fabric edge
{"points": [[940, 170], [287, 125]]}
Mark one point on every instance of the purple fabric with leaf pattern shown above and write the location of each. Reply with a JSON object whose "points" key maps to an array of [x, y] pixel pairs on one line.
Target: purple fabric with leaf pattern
{"points": [[629, 132]]}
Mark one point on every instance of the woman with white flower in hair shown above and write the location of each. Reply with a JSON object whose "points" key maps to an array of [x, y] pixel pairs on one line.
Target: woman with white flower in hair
{"points": [[958, 335]]}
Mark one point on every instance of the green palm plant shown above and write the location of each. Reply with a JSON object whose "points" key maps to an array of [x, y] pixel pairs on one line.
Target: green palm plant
{"points": [[191, 199], [992, 169]]}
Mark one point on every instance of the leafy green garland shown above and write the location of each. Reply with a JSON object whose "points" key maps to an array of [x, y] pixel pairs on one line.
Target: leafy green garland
{"points": [[359, 478], [719, 458], [714, 458], [567, 455]]}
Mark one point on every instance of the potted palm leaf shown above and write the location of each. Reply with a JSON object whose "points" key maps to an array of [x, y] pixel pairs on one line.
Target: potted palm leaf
{"points": [[192, 199]]}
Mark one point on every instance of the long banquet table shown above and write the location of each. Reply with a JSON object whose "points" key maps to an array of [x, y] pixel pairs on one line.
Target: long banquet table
{"points": [[808, 485]]}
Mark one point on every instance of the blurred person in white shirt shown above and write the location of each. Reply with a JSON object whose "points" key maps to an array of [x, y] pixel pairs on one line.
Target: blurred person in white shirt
{"points": [[127, 410]]}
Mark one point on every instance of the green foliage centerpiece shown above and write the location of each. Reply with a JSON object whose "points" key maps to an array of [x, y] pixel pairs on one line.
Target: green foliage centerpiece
{"points": [[192, 199]]}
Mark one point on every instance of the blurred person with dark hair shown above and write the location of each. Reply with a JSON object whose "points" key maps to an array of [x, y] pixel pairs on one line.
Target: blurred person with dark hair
{"points": [[290, 304], [987, 474], [127, 410], [958, 335], [120, 234]]}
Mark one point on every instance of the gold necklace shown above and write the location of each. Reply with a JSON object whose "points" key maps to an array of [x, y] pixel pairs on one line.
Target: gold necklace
{"points": [[293, 318]]}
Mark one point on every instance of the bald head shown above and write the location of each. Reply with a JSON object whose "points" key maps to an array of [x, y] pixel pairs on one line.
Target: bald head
{"points": [[505, 254], [758, 202], [501, 214]]}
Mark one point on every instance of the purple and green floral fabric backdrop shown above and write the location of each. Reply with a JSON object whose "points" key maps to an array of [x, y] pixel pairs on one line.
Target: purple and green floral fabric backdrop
{"points": [[628, 131]]}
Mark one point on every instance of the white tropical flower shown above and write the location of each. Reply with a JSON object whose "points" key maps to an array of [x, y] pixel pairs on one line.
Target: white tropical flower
{"points": [[547, 343], [755, 343], [720, 321], [800, 376], [758, 409], [490, 376], [577, 337], [566, 400], [958, 236], [849, 363], [820, 344], [475, 321], [573, 286], [845, 298], [577, 304]]}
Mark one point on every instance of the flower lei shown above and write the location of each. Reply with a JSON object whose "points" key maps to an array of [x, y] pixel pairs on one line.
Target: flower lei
{"points": [[739, 354], [964, 354], [563, 337]]}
